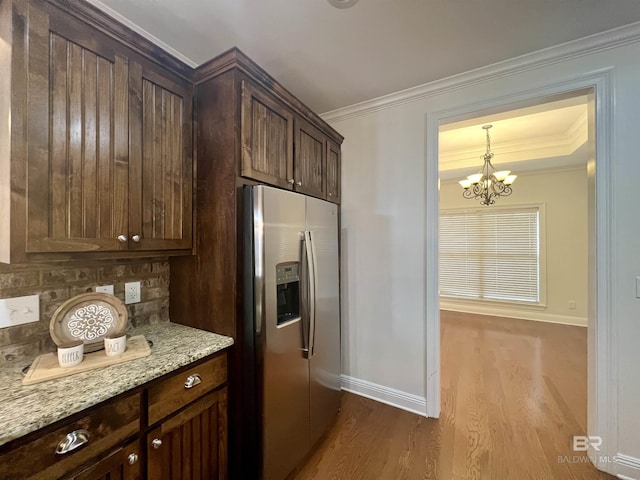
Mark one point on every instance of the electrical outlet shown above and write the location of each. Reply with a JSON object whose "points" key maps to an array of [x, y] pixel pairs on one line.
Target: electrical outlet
{"points": [[572, 304], [105, 289], [19, 310], [131, 292]]}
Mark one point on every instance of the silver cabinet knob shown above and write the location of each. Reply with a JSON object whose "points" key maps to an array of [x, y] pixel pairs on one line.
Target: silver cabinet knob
{"points": [[291, 181], [122, 238], [299, 183], [331, 194], [136, 238], [133, 458], [192, 381], [156, 443], [72, 441]]}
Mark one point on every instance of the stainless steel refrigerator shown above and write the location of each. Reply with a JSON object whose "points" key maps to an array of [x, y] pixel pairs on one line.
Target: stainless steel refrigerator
{"points": [[293, 321]]}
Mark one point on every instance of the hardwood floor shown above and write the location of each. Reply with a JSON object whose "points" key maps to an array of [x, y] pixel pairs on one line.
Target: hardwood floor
{"points": [[513, 395]]}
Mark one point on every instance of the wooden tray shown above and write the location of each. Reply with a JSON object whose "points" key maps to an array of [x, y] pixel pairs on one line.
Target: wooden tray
{"points": [[45, 367], [88, 317]]}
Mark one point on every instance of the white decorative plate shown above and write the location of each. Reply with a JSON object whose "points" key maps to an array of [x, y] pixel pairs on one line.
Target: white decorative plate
{"points": [[88, 317]]}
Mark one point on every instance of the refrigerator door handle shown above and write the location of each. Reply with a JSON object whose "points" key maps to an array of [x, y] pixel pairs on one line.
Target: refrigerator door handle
{"points": [[312, 289], [308, 309], [304, 294], [308, 298]]}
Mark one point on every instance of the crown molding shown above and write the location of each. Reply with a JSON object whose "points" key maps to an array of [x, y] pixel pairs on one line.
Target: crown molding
{"points": [[142, 32], [563, 52], [236, 59]]}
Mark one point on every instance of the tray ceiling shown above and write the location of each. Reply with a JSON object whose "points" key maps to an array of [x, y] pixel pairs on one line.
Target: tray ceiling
{"points": [[542, 137]]}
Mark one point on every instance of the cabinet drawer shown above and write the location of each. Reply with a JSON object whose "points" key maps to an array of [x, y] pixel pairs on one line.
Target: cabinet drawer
{"points": [[123, 463], [183, 388], [105, 428]]}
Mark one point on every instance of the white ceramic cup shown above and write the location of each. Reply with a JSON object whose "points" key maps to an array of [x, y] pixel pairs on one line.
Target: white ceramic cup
{"points": [[115, 345], [70, 354]]}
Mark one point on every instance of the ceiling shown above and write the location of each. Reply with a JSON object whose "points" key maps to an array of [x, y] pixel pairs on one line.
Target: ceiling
{"points": [[333, 57], [541, 137]]}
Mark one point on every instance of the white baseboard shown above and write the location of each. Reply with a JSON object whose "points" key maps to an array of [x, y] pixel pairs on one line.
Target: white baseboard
{"points": [[511, 313], [390, 396], [628, 467]]}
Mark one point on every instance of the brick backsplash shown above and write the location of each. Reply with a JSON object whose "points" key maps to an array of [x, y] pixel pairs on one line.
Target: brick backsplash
{"points": [[56, 283]]}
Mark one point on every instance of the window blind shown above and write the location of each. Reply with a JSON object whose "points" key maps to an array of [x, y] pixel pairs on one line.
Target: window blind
{"points": [[490, 254]]}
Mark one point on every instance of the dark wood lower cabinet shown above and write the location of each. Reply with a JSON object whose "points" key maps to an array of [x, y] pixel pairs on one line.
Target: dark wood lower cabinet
{"points": [[192, 443], [123, 464], [174, 428]]}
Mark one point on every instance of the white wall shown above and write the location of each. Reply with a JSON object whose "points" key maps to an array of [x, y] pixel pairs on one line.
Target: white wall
{"points": [[384, 247], [564, 196]]}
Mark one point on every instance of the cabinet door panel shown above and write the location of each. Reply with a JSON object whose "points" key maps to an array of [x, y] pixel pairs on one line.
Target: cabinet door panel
{"points": [[267, 138], [122, 464], [309, 165], [333, 172], [161, 173], [193, 443], [77, 160]]}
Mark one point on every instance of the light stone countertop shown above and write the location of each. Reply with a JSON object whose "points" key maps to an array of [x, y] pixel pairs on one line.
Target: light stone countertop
{"points": [[25, 409]]}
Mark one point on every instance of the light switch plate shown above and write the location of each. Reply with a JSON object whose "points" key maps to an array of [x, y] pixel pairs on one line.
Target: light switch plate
{"points": [[131, 292], [19, 310], [105, 289]]}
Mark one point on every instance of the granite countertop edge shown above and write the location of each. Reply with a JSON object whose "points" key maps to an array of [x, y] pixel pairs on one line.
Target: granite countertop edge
{"points": [[25, 409]]}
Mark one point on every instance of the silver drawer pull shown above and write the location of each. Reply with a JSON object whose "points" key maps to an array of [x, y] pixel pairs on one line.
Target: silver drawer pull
{"points": [[192, 381], [156, 443], [72, 441], [133, 458]]}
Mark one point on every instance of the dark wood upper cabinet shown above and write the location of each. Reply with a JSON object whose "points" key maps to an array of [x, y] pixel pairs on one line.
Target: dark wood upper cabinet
{"points": [[100, 147], [333, 171], [77, 154], [161, 170], [279, 147], [266, 138], [310, 159]]}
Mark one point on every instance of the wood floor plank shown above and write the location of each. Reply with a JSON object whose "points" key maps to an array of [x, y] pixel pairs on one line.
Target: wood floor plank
{"points": [[514, 392]]}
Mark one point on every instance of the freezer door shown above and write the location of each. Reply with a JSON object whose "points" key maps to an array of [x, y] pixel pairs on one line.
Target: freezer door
{"points": [[325, 366], [279, 219]]}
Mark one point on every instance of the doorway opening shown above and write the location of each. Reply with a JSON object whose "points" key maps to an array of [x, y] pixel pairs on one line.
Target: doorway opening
{"points": [[601, 385], [513, 284]]}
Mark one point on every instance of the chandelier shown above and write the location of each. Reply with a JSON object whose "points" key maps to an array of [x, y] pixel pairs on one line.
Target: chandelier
{"points": [[487, 185]]}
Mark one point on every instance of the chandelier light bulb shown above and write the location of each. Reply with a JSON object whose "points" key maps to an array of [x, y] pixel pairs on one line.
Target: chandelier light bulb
{"points": [[475, 178], [501, 175]]}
